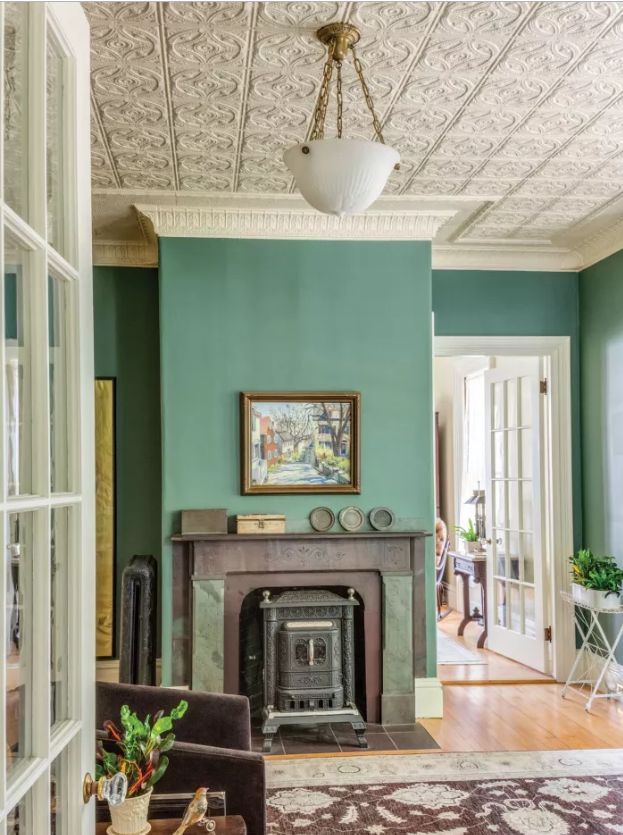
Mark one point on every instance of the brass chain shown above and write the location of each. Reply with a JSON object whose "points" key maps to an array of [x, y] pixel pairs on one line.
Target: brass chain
{"points": [[366, 93], [320, 111], [339, 99]]}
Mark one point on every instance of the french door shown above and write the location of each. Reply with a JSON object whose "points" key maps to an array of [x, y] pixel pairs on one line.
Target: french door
{"points": [[47, 667], [516, 576]]}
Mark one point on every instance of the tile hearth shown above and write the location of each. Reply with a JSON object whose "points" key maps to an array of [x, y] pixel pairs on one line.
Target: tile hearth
{"points": [[327, 739]]}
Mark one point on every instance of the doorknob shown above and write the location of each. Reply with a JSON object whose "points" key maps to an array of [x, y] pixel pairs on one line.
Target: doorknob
{"points": [[113, 789]]}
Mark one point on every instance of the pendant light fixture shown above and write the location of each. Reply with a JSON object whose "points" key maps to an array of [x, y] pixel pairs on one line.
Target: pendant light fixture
{"points": [[341, 176]]}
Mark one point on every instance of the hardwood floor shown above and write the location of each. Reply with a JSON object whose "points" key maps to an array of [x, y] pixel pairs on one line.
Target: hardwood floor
{"points": [[495, 668], [523, 717]]}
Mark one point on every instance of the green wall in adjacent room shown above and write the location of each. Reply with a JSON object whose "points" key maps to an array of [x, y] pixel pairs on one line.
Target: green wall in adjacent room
{"points": [[517, 303], [295, 315], [127, 348], [601, 305]]}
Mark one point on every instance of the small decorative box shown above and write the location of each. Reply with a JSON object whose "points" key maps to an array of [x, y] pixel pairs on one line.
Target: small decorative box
{"points": [[261, 523], [211, 520]]}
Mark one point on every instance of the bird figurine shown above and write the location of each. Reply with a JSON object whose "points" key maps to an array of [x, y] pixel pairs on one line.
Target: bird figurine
{"points": [[195, 811]]}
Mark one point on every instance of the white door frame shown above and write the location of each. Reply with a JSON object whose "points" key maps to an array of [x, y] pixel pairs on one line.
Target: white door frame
{"points": [[557, 353]]}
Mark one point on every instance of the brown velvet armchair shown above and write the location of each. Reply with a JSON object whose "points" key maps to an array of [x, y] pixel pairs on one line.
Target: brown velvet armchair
{"points": [[212, 747]]}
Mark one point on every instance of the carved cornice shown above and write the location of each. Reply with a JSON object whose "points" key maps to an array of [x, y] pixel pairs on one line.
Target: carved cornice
{"points": [[125, 254], [602, 244], [229, 222]]}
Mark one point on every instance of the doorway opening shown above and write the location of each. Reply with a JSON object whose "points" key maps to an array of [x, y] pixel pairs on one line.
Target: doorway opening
{"points": [[498, 581]]}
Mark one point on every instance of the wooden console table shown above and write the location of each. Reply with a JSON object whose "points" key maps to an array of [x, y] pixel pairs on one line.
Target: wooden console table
{"points": [[230, 825], [466, 566]]}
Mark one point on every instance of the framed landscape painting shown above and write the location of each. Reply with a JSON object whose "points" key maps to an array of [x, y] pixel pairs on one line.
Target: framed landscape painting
{"points": [[299, 442]]}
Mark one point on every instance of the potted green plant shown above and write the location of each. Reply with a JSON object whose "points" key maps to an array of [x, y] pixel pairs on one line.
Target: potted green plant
{"points": [[597, 579], [140, 747], [468, 537]]}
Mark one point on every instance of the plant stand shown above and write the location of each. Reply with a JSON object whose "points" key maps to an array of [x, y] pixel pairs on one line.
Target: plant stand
{"points": [[596, 647]]}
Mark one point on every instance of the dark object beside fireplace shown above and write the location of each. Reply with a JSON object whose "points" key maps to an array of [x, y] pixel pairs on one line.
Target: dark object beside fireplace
{"points": [[309, 661], [137, 656]]}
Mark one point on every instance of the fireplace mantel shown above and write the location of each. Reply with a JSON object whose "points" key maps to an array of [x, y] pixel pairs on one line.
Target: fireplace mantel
{"points": [[213, 573]]}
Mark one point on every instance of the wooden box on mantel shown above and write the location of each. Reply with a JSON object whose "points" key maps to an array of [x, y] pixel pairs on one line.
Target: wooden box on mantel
{"points": [[210, 520], [261, 523]]}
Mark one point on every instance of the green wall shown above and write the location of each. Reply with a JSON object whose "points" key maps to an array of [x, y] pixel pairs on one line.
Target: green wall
{"points": [[293, 315], [517, 303], [287, 314], [127, 348], [601, 305]]}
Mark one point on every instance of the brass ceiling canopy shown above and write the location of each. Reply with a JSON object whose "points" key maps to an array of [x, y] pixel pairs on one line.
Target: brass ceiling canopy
{"points": [[342, 35]]}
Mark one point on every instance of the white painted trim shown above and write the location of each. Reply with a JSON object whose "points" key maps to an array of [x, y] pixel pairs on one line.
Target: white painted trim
{"points": [[428, 698], [558, 351], [506, 257]]}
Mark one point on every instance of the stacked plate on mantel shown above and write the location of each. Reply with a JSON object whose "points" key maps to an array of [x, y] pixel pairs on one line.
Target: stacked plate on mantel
{"points": [[351, 519]]}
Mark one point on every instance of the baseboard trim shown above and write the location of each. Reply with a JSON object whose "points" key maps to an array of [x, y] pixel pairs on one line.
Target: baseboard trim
{"points": [[428, 698]]}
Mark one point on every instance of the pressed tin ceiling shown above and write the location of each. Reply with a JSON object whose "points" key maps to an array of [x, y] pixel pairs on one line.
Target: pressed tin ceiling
{"points": [[509, 115]]}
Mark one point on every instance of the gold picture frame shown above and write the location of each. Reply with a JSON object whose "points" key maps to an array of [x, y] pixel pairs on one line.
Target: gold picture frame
{"points": [[300, 442], [105, 516]]}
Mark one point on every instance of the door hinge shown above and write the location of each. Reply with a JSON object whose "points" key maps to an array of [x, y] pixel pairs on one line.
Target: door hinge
{"points": [[548, 633], [543, 387]]}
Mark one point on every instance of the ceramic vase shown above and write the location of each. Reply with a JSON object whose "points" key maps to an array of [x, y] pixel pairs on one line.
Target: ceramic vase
{"points": [[130, 817]]}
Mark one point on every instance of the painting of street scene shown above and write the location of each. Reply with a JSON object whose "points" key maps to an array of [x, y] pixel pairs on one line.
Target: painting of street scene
{"points": [[300, 445]]}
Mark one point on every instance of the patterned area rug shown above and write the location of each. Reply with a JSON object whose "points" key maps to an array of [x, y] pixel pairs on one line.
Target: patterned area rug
{"points": [[559, 793]]}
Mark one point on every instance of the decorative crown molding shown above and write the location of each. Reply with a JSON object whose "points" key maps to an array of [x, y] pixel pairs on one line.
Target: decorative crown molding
{"points": [[125, 254], [506, 258], [229, 222], [602, 244]]}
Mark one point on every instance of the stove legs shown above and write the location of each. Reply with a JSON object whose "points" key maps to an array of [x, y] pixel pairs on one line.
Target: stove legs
{"points": [[360, 730], [269, 732]]}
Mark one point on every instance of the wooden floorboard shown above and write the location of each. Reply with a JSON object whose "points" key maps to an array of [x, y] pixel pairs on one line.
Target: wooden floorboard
{"points": [[495, 669], [524, 717]]}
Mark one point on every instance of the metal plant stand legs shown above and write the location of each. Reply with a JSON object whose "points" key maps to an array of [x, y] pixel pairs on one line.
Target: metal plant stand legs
{"points": [[596, 649]]}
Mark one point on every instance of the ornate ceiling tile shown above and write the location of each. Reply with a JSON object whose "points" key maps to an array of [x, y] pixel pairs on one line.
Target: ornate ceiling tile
{"points": [[521, 101]]}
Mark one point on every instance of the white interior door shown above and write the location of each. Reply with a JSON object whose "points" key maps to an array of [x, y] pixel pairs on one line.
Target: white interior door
{"points": [[47, 666], [516, 562]]}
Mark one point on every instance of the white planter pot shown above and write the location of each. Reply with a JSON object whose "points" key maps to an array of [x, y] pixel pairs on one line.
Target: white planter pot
{"points": [[595, 599], [470, 547], [580, 594], [130, 817]]}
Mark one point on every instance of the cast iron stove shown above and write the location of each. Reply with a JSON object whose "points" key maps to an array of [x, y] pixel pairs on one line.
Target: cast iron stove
{"points": [[309, 661]]}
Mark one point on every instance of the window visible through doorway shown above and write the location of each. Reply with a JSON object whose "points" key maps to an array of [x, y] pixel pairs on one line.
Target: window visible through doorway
{"points": [[473, 458]]}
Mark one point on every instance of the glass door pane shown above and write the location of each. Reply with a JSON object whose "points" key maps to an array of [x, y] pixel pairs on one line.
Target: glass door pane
{"points": [[58, 797], [18, 292], [59, 327], [19, 628], [59, 634], [16, 16], [55, 62], [19, 819]]}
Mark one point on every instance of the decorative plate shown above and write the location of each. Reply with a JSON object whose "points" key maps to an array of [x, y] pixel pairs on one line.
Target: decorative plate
{"points": [[382, 518], [322, 519], [351, 518]]}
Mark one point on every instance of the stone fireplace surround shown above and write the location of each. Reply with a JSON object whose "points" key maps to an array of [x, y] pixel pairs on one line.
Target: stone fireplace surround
{"points": [[212, 574]]}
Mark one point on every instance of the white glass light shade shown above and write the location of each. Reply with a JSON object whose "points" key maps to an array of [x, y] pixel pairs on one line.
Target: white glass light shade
{"points": [[341, 176]]}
